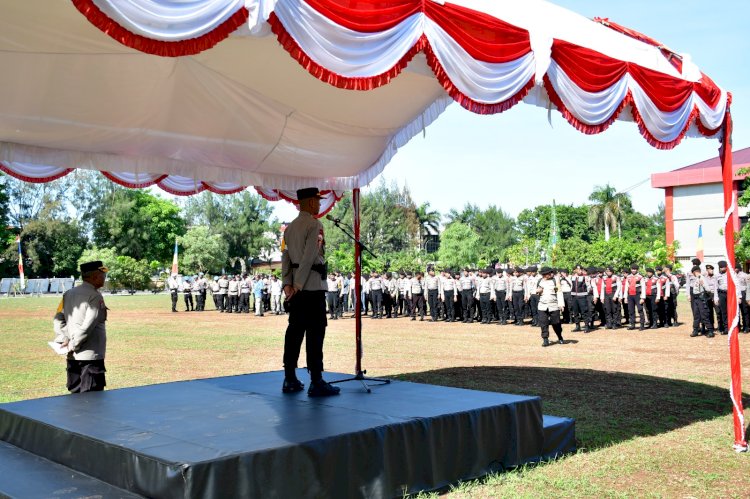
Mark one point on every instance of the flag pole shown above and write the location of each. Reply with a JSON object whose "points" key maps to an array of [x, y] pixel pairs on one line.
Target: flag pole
{"points": [[730, 206]]}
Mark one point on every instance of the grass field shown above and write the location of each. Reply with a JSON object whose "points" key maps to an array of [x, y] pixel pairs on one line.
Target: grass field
{"points": [[652, 408]]}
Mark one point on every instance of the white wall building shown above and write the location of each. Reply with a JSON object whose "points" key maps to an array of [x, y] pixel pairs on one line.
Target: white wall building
{"points": [[693, 197]]}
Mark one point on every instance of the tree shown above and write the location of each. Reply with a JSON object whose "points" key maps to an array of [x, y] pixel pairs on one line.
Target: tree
{"points": [[459, 246], [607, 209], [429, 222], [202, 251], [28, 202], [496, 230], [53, 247], [525, 252], [388, 220], [138, 224], [572, 222], [244, 220], [6, 235], [129, 273], [107, 256]]}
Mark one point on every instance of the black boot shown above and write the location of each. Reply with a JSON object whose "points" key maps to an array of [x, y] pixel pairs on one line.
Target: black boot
{"points": [[545, 342]]}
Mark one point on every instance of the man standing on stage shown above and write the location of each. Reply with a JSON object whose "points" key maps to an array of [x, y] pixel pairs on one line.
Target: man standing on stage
{"points": [[303, 271], [80, 326]]}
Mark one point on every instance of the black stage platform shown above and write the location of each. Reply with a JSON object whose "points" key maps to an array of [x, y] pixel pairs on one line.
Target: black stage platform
{"points": [[239, 436]]}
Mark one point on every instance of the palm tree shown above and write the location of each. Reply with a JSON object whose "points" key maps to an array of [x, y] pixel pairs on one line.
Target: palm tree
{"points": [[607, 210], [429, 221]]}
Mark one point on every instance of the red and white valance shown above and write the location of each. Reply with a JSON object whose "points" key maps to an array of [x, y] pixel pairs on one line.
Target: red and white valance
{"points": [[327, 202], [36, 174], [484, 62]]}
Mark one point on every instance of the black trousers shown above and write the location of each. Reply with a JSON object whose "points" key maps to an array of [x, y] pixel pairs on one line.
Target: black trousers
{"points": [[173, 294], [485, 305], [223, 302], [634, 301], [661, 311], [333, 303], [547, 318], [581, 310], [670, 308], [432, 301], [467, 304], [307, 319], [417, 302], [86, 375], [501, 304], [388, 304], [744, 313], [534, 306], [234, 301], [217, 302], [649, 306], [610, 310], [188, 301], [377, 302], [203, 300], [701, 314], [245, 302], [567, 316], [450, 311], [518, 306], [722, 324]]}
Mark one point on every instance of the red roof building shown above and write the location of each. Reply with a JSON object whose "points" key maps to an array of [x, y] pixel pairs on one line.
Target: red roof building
{"points": [[693, 197]]}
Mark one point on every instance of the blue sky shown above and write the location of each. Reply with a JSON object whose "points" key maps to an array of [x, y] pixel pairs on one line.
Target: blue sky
{"points": [[516, 160]]}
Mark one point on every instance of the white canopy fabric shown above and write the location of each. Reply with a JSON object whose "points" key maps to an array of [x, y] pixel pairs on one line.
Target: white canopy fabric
{"points": [[224, 94]]}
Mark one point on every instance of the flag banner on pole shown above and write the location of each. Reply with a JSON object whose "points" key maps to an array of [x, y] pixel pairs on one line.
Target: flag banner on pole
{"points": [[699, 246], [20, 263], [174, 258]]}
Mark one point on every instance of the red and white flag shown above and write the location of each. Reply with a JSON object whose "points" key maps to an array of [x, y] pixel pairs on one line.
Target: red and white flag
{"points": [[174, 258], [20, 262]]}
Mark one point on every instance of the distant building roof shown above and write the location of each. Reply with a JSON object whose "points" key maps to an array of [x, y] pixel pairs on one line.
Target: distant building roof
{"points": [[705, 172]]}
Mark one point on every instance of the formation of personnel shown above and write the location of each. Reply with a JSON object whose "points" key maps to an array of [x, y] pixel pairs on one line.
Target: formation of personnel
{"points": [[590, 297], [707, 294], [230, 293]]}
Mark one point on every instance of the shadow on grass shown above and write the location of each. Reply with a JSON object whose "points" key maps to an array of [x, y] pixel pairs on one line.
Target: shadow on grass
{"points": [[608, 407]]}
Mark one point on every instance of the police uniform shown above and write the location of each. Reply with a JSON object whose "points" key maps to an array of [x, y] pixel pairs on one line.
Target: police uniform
{"points": [[79, 323], [531, 296], [187, 294], [550, 302], [565, 287], [609, 292], [303, 268], [466, 285], [448, 296], [376, 295], [720, 298], [700, 295], [517, 288], [173, 284], [651, 296], [332, 296], [416, 293], [484, 295], [579, 293], [223, 286], [432, 285], [501, 296], [632, 293], [742, 280]]}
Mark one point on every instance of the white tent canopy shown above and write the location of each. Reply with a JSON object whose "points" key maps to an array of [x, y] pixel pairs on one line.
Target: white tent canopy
{"points": [[236, 110]]}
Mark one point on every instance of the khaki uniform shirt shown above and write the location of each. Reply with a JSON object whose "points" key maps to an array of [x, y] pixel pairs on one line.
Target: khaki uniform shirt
{"points": [[305, 247], [80, 318]]}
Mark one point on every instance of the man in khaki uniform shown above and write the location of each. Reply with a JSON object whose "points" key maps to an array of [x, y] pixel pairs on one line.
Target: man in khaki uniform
{"points": [[80, 326], [303, 271]]}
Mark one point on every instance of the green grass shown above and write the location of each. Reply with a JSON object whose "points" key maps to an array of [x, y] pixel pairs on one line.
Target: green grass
{"points": [[653, 416]]}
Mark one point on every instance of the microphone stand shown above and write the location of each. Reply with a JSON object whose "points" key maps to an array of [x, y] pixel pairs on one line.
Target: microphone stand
{"points": [[358, 247]]}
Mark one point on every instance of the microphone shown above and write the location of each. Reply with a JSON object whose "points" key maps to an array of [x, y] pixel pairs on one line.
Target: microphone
{"points": [[334, 220]]}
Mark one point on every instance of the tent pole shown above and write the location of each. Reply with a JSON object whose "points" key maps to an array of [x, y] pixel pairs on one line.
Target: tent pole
{"points": [[730, 206], [357, 283], [359, 373]]}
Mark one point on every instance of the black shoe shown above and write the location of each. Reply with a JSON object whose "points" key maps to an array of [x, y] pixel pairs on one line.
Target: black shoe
{"points": [[292, 386], [586, 330], [710, 334], [413, 318], [545, 342], [694, 334], [560, 340], [322, 388], [577, 328], [421, 319], [631, 328], [641, 328], [724, 333], [173, 310]]}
